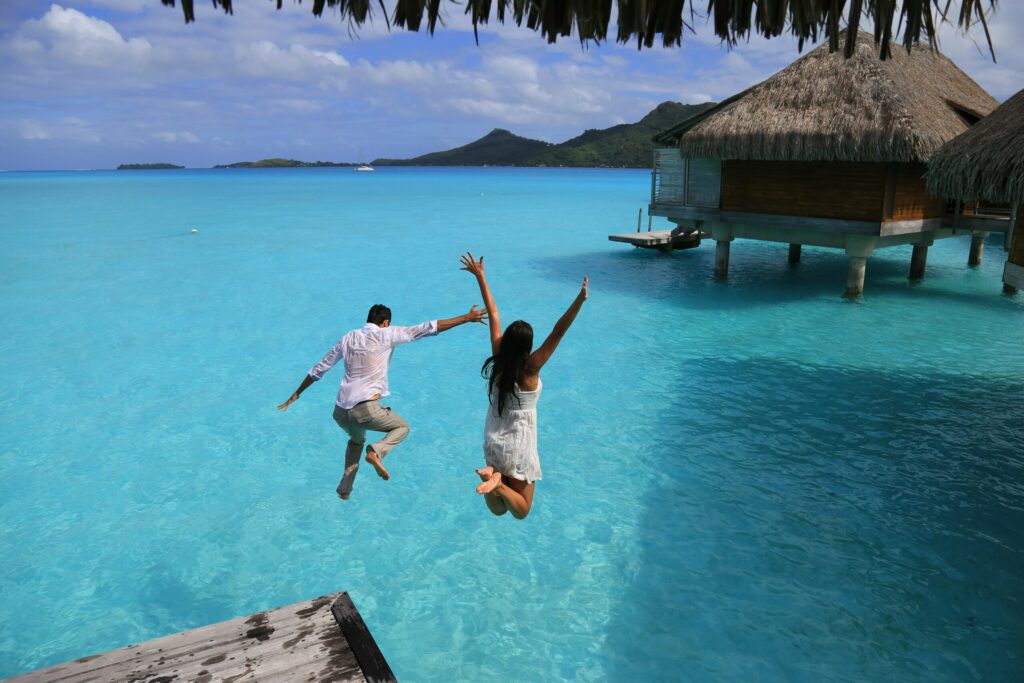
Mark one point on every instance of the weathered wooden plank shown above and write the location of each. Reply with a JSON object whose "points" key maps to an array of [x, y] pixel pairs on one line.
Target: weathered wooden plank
{"points": [[299, 642], [374, 667]]}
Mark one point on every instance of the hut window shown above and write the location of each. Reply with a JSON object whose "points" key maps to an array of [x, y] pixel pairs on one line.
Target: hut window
{"points": [[703, 182]]}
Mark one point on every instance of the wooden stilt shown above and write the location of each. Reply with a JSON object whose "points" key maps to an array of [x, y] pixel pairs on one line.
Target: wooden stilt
{"points": [[918, 261], [1009, 289], [977, 249], [794, 254], [722, 258], [855, 276]]}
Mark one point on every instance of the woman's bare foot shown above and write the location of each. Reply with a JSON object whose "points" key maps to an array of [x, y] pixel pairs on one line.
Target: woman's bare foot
{"points": [[485, 473], [491, 484], [374, 459]]}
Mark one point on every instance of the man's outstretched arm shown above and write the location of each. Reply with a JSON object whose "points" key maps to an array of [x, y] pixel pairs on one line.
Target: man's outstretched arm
{"points": [[306, 383], [315, 373], [404, 335], [474, 316]]}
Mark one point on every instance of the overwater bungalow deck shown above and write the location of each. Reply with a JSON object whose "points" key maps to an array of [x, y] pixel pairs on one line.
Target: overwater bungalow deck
{"points": [[662, 240], [323, 639]]}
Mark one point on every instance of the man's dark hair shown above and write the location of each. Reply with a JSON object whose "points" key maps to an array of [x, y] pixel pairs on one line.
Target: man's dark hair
{"points": [[378, 314]]}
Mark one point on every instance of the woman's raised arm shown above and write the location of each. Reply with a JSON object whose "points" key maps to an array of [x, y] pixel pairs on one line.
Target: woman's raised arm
{"points": [[541, 356], [494, 321]]}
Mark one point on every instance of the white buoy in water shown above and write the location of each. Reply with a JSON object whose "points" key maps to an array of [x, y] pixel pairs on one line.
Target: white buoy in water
{"points": [[195, 230]]}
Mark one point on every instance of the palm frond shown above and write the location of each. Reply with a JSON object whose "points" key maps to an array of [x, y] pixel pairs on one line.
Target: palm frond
{"points": [[647, 22]]}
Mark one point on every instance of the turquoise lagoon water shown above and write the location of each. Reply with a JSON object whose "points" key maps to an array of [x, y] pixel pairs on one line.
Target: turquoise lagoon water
{"points": [[744, 480]]}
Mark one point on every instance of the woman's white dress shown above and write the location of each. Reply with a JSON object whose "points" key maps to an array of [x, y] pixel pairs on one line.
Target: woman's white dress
{"points": [[510, 440]]}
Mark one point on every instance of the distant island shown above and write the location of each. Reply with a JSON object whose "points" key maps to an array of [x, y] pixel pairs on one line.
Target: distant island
{"points": [[626, 145], [146, 167], [284, 163]]}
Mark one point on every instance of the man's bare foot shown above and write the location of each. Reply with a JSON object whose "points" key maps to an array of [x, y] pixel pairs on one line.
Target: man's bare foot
{"points": [[491, 484], [485, 473], [373, 459]]}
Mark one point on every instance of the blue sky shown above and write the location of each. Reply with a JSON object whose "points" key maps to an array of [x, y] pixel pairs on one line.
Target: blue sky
{"points": [[95, 83]]}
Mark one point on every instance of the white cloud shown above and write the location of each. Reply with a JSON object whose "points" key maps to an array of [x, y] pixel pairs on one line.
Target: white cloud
{"points": [[67, 128], [76, 39], [401, 72], [31, 130], [121, 5], [299, 105], [175, 137], [264, 59]]}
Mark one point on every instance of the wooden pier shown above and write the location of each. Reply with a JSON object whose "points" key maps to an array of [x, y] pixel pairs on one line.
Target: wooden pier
{"points": [[663, 240], [323, 639]]}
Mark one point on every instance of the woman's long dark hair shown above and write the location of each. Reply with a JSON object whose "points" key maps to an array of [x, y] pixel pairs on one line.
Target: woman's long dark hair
{"points": [[504, 368]]}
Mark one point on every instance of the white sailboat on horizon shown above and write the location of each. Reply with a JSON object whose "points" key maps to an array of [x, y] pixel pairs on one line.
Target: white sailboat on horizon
{"points": [[363, 166]]}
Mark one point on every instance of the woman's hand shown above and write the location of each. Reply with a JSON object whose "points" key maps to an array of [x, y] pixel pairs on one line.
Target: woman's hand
{"points": [[471, 265], [476, 315], [584, 294], [291, 400]]}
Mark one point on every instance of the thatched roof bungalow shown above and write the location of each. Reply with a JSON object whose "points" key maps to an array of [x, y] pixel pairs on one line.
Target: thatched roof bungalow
{"points": [[986, 163], [829, 151]]}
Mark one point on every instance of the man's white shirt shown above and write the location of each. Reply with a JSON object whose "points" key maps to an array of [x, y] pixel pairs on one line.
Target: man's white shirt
{"points": [[367, 354]]}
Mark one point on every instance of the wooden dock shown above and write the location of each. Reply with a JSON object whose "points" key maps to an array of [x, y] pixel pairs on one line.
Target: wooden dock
{"points": [[663, 240], [317, 640]]}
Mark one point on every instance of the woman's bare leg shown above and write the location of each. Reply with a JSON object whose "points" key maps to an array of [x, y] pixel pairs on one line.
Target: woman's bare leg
{"points": [[494, 502], [518, 495]]}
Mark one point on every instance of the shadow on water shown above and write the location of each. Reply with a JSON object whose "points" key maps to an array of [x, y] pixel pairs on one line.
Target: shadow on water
{"points": [[758, 274], [823, 523]]}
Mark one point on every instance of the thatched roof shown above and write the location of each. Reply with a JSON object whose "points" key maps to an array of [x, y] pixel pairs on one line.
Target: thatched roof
{"points": [[665, 21], [824, 108], [986, 162]]}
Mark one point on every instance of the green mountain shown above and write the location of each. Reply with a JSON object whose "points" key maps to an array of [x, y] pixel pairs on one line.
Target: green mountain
{"points": [[625, 145], [497, 148], [283, 163]]}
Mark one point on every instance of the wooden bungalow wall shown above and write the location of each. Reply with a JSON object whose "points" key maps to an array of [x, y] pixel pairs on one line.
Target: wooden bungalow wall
{"points": [[910, 198], [822, 189]]}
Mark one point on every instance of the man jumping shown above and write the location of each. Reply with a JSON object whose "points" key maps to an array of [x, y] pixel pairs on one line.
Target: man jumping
{"points": [[367, 353]]}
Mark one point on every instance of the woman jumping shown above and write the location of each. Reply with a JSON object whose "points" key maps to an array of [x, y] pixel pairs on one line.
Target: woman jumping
{"points": [[513, 374]]}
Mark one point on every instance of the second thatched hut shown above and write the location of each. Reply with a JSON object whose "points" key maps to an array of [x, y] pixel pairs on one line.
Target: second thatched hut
{"points": [[986, 164]]}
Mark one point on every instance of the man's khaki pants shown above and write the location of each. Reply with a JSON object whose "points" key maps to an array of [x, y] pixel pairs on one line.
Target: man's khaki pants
{"points": [[356, 421]]}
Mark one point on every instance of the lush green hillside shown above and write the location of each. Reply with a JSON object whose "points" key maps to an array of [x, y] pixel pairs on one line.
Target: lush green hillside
{"points": [[282, 163], [146, 167], [628, 144], [497, 148]]}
